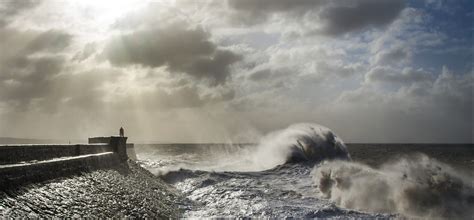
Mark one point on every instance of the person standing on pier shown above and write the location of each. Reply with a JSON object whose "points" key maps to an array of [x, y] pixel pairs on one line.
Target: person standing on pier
{"points": [[121, 131]]}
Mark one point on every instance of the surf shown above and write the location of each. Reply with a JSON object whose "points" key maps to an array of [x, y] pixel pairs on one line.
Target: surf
{"points": [[303, 143], [306, 171], [415, 186]]}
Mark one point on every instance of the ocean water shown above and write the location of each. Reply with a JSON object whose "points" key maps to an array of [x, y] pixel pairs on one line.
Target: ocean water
{"points": [[306, 171]]}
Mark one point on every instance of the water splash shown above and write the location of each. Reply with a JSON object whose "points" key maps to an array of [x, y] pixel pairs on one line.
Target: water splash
{"points": [[415, 186], [298, 143]]}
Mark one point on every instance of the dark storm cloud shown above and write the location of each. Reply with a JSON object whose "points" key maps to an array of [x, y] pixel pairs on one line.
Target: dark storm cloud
{"points": [[360, 14], [27, 79], [337, 17], [10, 8], [50, 41], [181, 50], [273, 5], [18, 44], [29, 65], [47, 87], [252, 12]]}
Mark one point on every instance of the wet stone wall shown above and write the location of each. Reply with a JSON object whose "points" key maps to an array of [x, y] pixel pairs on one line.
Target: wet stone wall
{"points": [[23, 164], [11, 154], [20, 174]]}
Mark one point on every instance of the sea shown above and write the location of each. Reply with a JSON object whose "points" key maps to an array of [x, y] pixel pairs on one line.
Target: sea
{"points": [[307, 171]]}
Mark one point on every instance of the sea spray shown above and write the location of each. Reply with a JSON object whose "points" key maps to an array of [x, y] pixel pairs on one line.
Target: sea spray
{"points": [[284, 167], [304, 142], [412, 186]]}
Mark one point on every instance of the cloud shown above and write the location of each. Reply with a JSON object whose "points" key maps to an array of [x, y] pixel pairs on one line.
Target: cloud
{"points": [[250, 12], [88, 50], [267, 6], [423, 108], [357, 15], [31, 60], [407, 35], [30, 64], [395, 55], [17, 43], [48, 71], [49, 41], [261, 75], [328, 17], [29, 79], [391, 75], [286, 67], [267, 77], [341, 69], [180, 97], [8, 9], [186, 50], [365, 68]]}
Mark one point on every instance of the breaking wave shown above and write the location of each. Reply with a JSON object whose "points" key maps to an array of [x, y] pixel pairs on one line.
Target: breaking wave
{"points": [[301, 143], [415, 186], [277, 177], [307, 143]]}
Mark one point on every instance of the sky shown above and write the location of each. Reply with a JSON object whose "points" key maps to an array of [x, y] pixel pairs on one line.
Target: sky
{"points": [[234, 70]]}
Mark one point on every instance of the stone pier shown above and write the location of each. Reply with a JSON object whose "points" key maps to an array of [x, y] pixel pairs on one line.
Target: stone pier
{"points": [[30, 163]]}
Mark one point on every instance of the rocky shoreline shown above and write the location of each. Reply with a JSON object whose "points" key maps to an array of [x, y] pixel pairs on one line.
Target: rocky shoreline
{"points": [[125, 191]]}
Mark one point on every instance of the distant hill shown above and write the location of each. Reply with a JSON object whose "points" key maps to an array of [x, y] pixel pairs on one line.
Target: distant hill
{"points": [[10, 140]]}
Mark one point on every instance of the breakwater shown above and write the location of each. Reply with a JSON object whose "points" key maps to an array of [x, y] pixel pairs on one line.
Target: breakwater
{"points": [[21, 164], [96, 180], [124, 191]]}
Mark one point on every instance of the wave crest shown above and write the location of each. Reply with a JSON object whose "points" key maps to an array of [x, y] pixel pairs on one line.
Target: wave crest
{"points": [[298, 143], [301, 143]]}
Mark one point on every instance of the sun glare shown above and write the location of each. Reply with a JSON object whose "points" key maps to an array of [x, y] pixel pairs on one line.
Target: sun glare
{"points": [[106, 11]]}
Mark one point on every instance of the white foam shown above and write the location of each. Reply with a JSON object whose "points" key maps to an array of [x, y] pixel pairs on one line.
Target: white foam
{"points": [[414, 186], [297, 143]]}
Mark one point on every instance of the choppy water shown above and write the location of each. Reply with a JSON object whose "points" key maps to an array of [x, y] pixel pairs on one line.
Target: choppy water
{"points": [[305, 171], [284, 191]]}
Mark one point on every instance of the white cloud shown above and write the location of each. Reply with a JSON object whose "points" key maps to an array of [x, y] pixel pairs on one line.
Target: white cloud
{"points": [[390, 75], [422, 110]]}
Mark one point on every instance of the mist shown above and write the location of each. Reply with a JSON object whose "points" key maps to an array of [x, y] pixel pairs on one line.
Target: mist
{"points": [[415, 186]]}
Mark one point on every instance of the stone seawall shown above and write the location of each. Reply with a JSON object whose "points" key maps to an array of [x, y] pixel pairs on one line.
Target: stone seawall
{"points": [[11, 154], [16, 174], [95, 180], [31, 163]]}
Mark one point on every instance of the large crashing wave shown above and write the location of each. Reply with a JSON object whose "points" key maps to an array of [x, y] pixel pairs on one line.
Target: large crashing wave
{"points": [[413, 186], [297, 143], [300, 143]]}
